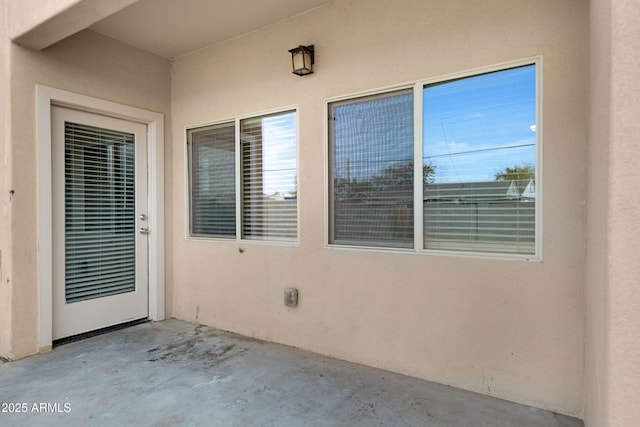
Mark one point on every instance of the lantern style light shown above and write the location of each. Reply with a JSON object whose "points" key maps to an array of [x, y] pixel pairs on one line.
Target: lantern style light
{"points": [[302, 60]]}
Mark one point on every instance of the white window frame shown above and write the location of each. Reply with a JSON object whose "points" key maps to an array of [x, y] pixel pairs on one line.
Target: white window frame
{"points": [[238, 180], [418, 87]]}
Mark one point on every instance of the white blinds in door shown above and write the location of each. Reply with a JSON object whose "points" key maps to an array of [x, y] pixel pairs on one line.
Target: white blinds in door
{"points": [[99, 212]]}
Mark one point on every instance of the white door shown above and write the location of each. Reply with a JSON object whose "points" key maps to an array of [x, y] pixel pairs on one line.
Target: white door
{"points": [[100, 248]]}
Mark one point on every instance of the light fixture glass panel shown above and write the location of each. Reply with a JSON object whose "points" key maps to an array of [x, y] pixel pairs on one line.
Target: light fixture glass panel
{"points": [[299, 60]]}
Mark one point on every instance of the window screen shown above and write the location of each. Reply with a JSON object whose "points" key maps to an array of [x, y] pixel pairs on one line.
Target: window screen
{"points": [[371, 169]]}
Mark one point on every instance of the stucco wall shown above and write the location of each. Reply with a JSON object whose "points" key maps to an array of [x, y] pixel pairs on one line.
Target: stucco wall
{"points": [[596, 285], [5, 179], [512, 329], [613, 297], [89, 64], [624, 215]]}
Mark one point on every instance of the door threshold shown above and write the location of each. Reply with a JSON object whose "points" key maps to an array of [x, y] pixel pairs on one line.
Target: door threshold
{"points": [[85, 335]]}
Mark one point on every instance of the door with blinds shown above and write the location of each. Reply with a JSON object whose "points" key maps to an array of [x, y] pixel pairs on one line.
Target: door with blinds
{"points": [[100, 248]]}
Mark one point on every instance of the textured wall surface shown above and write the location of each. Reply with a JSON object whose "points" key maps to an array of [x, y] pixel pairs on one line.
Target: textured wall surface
{"points": [[508, 328], [624, 224], [596, 284], [88, 64], [5, 189], [612, 369]]}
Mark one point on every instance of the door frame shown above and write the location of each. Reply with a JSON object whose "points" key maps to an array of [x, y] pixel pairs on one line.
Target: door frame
{"points": [[45, 97]]}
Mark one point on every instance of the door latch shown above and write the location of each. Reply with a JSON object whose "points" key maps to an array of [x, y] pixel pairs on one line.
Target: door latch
{"points": [[144, 230]]}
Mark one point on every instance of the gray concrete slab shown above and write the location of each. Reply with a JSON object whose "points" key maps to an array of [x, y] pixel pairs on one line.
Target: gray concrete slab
{"points": [[175, 373]]}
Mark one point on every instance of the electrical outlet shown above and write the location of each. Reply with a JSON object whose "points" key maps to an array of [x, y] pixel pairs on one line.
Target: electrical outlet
{"points": [[291, 297]]}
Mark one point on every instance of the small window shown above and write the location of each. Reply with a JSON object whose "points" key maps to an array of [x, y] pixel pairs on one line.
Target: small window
{"points": [[267, 180], [213, 180], [475, 189]]}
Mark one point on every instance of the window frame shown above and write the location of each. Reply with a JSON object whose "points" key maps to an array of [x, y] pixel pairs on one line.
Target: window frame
{"points": [[189, 162], [236, 121], [330, 126], [418, 88]]}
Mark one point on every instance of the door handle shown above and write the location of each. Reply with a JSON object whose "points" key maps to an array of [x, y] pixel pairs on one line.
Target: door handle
{"points": [[144, 230]]}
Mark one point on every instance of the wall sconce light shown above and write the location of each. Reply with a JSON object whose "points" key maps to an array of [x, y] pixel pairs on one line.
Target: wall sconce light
{"points": [[302, 60]]}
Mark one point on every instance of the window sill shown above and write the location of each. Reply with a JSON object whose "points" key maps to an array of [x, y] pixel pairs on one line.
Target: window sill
{"points": [[235, 241], [439, 252]]}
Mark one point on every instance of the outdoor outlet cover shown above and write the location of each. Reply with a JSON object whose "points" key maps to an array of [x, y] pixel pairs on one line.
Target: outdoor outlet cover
{"points": [[290, 297]]}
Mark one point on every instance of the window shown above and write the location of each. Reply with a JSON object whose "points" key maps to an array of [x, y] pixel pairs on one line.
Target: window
{"points": [[213, 181], [479, 145], [477, 150], [264, 147], [269, 180], [372, 171]]}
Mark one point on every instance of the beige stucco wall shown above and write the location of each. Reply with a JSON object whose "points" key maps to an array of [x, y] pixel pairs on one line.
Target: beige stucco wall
{"points": [[613, 297], [89, 64], [5, 188], [508, 328], [624, 215], [596, 285]]}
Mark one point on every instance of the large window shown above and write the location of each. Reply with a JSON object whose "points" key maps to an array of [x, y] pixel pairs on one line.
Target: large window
{"points": [[480, 145], [476, 147], [265, 148]]}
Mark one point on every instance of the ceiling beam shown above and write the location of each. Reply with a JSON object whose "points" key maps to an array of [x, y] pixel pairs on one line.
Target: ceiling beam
{"points": [[38, 24]]}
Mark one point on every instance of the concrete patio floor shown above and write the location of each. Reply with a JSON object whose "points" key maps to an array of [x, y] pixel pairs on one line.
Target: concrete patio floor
{"points": [[175, 373]]}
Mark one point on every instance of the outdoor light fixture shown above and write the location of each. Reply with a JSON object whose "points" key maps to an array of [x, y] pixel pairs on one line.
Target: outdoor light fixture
{"points": [[302, 60]]}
